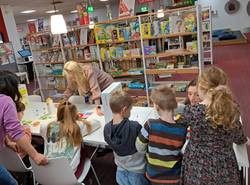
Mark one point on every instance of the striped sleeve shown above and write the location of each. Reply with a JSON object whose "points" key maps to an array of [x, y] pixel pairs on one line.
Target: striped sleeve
{"points": [[142, 139]]}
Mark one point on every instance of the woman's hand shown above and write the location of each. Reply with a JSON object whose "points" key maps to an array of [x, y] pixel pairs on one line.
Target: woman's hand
{"points": [[248, 141]]}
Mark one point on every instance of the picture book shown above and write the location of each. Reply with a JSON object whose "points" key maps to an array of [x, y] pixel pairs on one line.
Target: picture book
{"points": [[93, 51], [176, 24], [72, 38], [99, 34], [121, 35], [135, 30], [111, 33], [83, 36], [91, 36], [56, 41], [156, 28], [146, 30], [127, 33], [189, 22], [66, 41], [164, 27]]}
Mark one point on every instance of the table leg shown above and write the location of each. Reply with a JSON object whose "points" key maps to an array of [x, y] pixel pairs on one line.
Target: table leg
{"points": [[246, 175], [27, 78]]}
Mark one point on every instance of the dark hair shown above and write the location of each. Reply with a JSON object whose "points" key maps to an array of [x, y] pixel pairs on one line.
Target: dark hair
{"points": [[9, 85], [20, 106], [191, 84]]}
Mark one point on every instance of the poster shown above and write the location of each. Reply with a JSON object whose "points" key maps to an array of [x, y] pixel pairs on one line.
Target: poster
{"points": [[40, 25], [126, 8]]}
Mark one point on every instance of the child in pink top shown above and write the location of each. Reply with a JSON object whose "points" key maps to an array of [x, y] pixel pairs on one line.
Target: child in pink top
{"points": [[86, 78]]}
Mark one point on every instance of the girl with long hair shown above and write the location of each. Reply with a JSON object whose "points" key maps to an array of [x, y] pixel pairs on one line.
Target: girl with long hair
{"points": [[209, 157], [65, 136]]}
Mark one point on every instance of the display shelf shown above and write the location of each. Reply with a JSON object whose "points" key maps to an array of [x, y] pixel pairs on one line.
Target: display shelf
{"points": [[125, 58], [56, 48], [55, 76], [171, 35], [44, 63], [120, 42], [125, 74], [175, 52], [193, 70]]}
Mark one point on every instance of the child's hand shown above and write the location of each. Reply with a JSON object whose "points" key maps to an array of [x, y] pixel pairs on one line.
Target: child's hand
{"points": [[98, 111], [40, 159]]}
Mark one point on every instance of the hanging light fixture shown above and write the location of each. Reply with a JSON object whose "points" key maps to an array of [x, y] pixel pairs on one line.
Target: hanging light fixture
{"points": [[57, 23]]}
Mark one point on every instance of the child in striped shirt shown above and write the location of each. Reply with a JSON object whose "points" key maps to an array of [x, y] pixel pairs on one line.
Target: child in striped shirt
{"points": [[162, 139]]}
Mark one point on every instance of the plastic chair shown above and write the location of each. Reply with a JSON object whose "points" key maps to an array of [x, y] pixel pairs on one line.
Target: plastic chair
{"points": [[35, 98], [13, 162], [77, 100], [59, 172]]}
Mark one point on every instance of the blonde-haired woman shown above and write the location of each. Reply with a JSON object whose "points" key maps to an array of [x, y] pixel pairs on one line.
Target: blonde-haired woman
{"points": [[209, 157], [87, 79]]}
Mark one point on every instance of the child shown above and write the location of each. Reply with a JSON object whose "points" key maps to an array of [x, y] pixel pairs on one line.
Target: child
{"points": [[192, 93], [20, 107], [209, 157], [162, 139], [121, 134], [64, 137]]}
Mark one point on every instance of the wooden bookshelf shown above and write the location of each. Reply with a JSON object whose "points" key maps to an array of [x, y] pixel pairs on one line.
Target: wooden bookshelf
{"points": [[192, 70], [171, 35], [47, 76], [120, 42], [125, 74], [55, 48], [44, 63], [169, 53]]}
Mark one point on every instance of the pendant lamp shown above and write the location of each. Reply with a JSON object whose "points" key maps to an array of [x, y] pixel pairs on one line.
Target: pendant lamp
{"points": [[57, 23]]}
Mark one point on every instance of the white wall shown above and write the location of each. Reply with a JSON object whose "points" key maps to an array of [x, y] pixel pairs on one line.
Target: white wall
{"points": [[10, 25], [236, 21]]}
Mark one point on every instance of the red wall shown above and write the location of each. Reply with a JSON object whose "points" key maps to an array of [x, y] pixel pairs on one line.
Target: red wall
{"points": [[3, 28]]}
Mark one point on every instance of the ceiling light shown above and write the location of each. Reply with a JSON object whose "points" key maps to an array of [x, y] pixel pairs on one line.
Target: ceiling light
{"points": [[160, 13], [103, 0], [31, 20], [28, 11], [58, 25], [73, 11], [52, 11]]}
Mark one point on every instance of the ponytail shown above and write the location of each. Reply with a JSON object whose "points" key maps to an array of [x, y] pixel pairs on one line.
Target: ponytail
{"points": [[223, 110], [67, 116]]}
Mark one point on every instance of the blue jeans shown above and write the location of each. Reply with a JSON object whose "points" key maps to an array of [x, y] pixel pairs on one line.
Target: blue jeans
{"points": [[6, 178], [124, 177]]}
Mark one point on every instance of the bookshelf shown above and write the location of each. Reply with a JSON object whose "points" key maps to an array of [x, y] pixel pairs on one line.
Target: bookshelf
{"points": [[138, 47], [207, 37]]}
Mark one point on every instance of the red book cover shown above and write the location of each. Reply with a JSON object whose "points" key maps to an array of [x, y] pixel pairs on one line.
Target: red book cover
{"points": [[32, 27]]}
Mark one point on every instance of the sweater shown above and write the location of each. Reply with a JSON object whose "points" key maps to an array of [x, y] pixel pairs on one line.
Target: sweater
{"points": [[162, 143], [98, 81], [121, 138], [9, 123]]}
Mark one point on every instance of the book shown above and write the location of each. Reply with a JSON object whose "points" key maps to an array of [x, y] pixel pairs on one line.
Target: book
{"points": [[189, 22], [176, 24], [91, 36], [135, 30], [164, 27], [146, 30], [100, 34], [111, 33], [156, 28], [121, 35], [83, 36]]}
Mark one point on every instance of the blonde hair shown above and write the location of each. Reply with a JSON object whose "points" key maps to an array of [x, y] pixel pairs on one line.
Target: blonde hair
{"points": [[72, 68], [164, 97], [119, 100], [67, 115], [222, 110]]}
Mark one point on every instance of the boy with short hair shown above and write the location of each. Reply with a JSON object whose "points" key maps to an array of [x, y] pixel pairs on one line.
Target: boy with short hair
{"points": [[121, 134], [162, 139]]}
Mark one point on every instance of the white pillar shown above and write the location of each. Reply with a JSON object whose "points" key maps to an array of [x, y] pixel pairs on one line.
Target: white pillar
{"points": [[11, 28]]}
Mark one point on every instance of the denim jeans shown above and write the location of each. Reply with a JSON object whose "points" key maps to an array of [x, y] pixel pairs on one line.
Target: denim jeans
{"points": [[124, 177], [6, 178]]}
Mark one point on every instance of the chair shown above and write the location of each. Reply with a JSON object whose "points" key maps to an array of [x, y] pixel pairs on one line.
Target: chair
{"points": [[13, 162], [35, 98], [59, 172], [23, 75], [76, 100]]}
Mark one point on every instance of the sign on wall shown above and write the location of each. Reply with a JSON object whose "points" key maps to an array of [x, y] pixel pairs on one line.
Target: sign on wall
{"points": [[126, 8]]}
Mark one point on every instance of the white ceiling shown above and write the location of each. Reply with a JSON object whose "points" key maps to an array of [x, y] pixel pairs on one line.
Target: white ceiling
{"points": [[41, 6]]}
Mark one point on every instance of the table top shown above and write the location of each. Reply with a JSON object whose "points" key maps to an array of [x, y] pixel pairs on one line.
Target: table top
{"points": [[36, 111]]}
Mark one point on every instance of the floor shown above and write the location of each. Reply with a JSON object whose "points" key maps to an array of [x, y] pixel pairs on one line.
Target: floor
{"points": [[235, 60]]}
